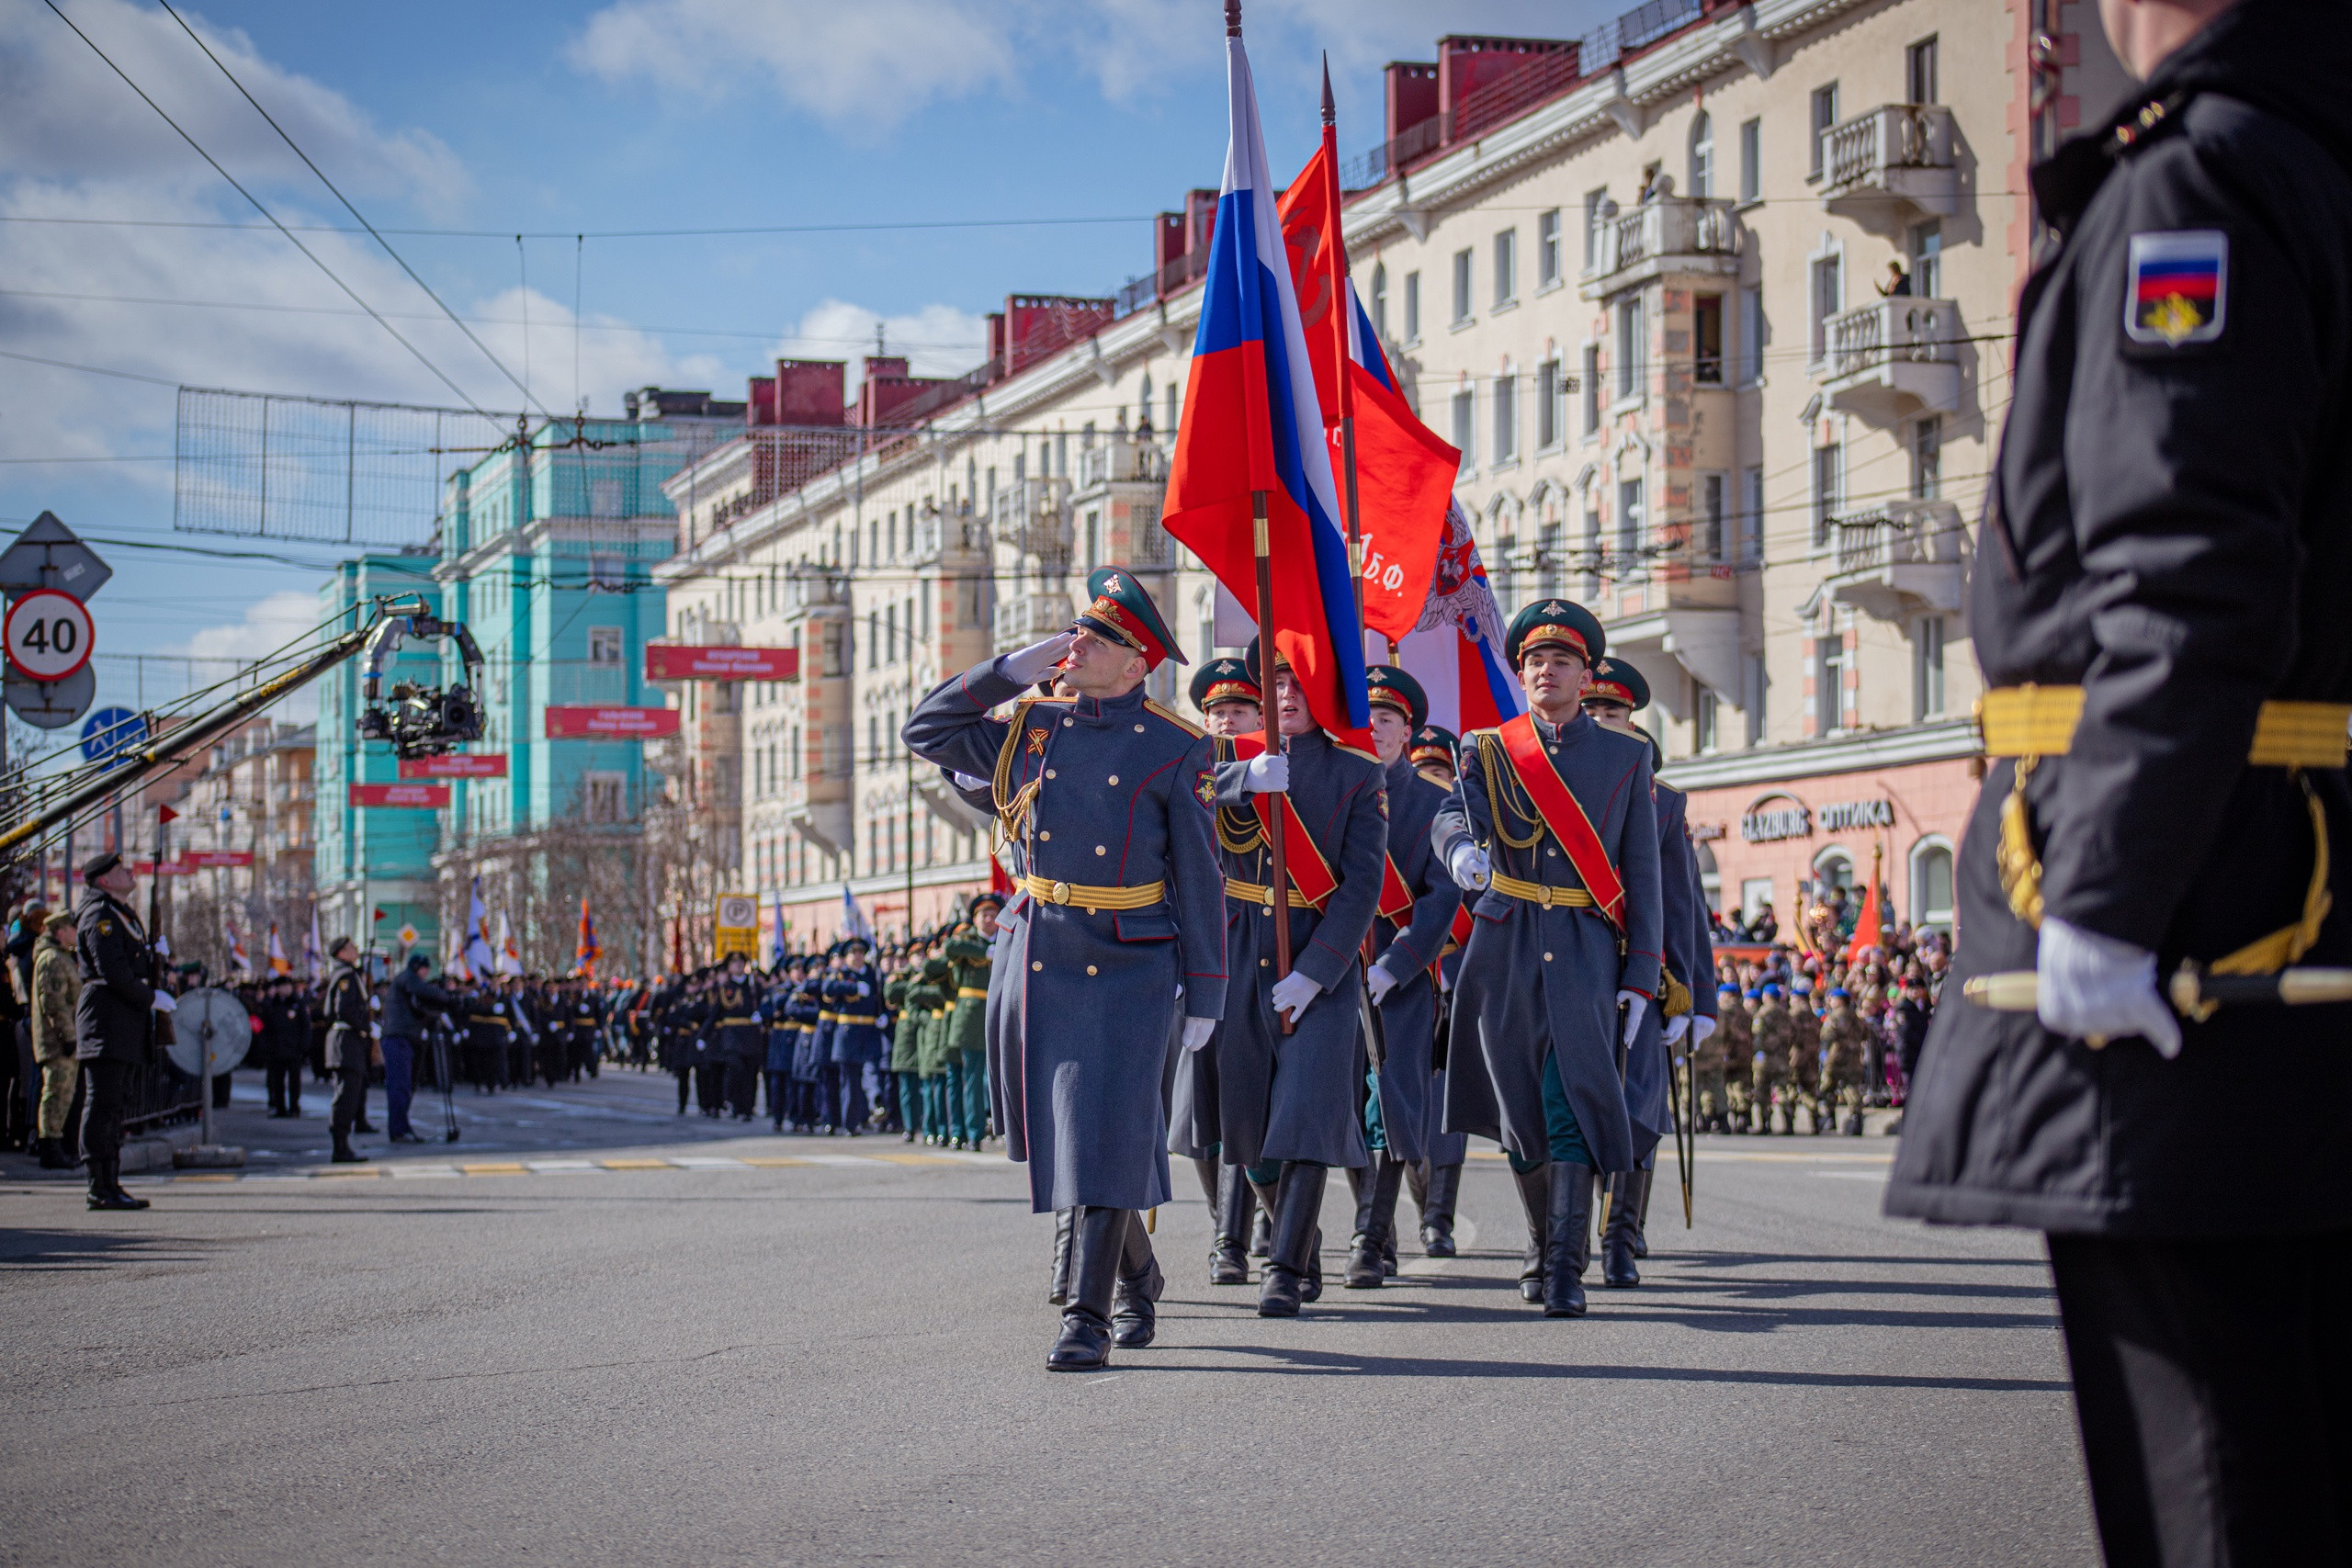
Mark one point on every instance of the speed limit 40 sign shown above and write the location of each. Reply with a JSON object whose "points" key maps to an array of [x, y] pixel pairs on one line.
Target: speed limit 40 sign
{"points": [[48, 634]]}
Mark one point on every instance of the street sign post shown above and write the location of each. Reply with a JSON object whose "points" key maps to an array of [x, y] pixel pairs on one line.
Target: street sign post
{"points": [[53, 685], [48, 555], [48, 634], [737, 926]]}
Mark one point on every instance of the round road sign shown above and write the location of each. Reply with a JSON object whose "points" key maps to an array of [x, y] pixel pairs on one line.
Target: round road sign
{"points": [[47, 633], [110, 731]]}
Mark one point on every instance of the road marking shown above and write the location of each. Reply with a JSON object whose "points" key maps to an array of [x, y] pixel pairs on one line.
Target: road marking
{"points": [[346, 1175], [839, 1160], [560, 1166], [221, 1177], [418, 1172], [635, 1164], [706, 1162], [495, 1168], [910, 1159], [1854, 1175]]}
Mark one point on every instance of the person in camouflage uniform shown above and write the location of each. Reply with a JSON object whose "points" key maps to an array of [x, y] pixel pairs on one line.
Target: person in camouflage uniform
{"points": [[1804, 1060], [1845, 1064], [967, 1041], [1711, 1060], [1739, 1097], [1775, 1033]]}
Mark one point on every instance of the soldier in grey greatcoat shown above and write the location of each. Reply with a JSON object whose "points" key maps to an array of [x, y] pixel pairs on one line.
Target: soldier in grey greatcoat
{"points": [[1289, 1106], [1554, 827], [1119, 923], [1409, 941], [1436, 1182]]}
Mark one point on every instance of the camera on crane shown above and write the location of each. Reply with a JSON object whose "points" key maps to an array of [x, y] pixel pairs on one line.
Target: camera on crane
{"points": [[421, 720]]}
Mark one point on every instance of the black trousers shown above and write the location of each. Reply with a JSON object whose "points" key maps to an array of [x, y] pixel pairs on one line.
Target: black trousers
{"points": [[110, 1085], [2216, 1408], [286, 1084], [350, 1097], [743, 1085]]}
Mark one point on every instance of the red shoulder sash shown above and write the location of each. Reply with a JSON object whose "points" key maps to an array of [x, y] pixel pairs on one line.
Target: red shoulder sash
{"points": [[1309, 872], [1564, 816]]}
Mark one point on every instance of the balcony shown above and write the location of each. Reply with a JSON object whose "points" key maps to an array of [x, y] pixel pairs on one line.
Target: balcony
{"points": [[814, 587], [1664, 234], [1024, 619], [1890, 359], [1120, 461], [945, 536], [1032, 516], [1899, 559], [1895, 156]]}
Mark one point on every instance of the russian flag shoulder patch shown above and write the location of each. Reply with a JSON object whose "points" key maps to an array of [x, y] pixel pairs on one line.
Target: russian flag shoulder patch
{"points": [[2177, 290]]}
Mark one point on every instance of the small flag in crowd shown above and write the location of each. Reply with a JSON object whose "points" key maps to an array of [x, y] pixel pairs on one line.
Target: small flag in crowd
{"points": [[238, 963], [279, 962], [775, 947], [480, 960], [587, 952], [510, 957], [853, 921], [314, 954]]}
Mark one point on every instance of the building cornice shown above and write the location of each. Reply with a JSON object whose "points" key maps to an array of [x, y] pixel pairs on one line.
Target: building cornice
{"points": [[1947, 741]]}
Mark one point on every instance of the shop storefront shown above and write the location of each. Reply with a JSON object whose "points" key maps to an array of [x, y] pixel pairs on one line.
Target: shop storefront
{"points": [[1782, 825]]}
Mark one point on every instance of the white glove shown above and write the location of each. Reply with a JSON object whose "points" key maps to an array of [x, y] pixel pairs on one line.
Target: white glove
{"points": [[1378, 981], [1269, 772], [1292, 992], [1197, 1031], [1468, 863], [1701, 1027], [2096, 988], [164, 1002], [863, 989], [1635, 1005], [376, 1032], [1676, 1028], [1025, 665]]}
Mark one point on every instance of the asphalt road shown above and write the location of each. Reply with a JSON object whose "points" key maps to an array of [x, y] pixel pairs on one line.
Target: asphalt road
{"points": [[590, 1332]]}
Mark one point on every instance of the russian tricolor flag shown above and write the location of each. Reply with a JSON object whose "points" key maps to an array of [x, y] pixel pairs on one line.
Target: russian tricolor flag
{"points": [[1252, 422]]}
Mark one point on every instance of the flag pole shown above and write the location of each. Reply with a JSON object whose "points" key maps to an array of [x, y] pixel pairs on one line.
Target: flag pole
{"points": [[1343, 324], [1277, 870]]}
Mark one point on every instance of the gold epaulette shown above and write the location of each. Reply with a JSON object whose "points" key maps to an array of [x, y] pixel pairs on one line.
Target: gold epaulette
{"points": [[1178, 720]]}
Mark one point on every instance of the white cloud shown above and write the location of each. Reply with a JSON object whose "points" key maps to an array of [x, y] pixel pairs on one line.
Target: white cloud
{"points": [[267, 625], [938, 340]]}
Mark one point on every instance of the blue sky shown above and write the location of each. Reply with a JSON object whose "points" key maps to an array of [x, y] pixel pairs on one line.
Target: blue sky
{"points": [[636, 114]]}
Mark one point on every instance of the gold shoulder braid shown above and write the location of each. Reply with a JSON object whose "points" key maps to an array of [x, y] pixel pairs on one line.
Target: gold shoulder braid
{"points": [[1497, 800], [1012, 809]]}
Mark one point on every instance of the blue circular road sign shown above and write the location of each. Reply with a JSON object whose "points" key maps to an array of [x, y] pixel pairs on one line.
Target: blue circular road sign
{"points": [[110, 731]]}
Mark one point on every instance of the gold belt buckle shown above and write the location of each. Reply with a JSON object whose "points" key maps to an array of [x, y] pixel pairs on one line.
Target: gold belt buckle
{"points": [[1060, 894], [1543, 895]]}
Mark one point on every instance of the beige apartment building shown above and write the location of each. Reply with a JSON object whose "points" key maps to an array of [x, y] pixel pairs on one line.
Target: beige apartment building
{"points": [[1715, 302]]}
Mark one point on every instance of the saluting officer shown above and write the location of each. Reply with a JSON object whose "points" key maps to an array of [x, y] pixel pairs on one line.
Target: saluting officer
{"points": [[1290, 1105], [854, 1003], [1554, 827], [1230, 704], [2158, 606], [1417, 903], [1120, 911]]}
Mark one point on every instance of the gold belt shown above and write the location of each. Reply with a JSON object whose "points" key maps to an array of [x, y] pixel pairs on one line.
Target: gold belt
{"points": [[2040, 721], [1260, 894], [1139, 897], [478, 1018], [979, 991], [725, 1022], [1538, 893], [829, 1018]]}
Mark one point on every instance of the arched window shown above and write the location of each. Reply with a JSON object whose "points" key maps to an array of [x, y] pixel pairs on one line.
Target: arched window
{"points": [[1931, 890], [1833, 867], [1703, 156]]}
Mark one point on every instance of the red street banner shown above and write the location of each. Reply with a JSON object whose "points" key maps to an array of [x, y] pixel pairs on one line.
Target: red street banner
{"points": [[682, 662], [170, 868], [611, 723], [484, 765], [417, 796], [194, 859]]}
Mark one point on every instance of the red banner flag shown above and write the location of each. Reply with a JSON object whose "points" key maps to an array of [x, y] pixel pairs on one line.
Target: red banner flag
{"points": [[412, 796], [611, 723], [681, 661], [460, 765]]}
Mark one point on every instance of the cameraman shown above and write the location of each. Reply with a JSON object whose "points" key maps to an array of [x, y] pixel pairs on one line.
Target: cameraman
{"points": [[407, 1009]]}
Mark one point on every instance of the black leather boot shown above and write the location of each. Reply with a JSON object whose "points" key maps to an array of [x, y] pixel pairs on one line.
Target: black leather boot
{"points": [[1643, 1181], [1098, 1236], [1436, 1204], [106, 1192], [1236, 1205], [1134, 1316], [344, 1153], [1057, 1291], [1569, 1220], [1211, 1181], [52, 1156], [1536, 1200], [1617, 1270], [1298, 1201], [1368, 1262], [1261, 1229]]}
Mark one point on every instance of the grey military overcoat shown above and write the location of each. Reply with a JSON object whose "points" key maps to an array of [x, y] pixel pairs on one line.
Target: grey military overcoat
{"points": [[1410, 1112]]}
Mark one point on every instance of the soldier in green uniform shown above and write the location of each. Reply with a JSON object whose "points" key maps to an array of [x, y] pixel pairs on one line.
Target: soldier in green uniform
{"points": [[904, 1072], [1775, 1033], [1739, 1052], [1804, 1059], [1845, 1064], [1712, 1059], [928, 998], [968, 951]]}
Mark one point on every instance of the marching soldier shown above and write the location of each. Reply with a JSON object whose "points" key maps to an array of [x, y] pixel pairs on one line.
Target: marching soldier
{"points": [[1805, 1058], [1713, 1056], [1436, 1181], [1289, 1105], [1554, 827], [739, 1039], [1120, 914], [1845, 1064], [928, 1001], [967, 1041], [1227, 693], [1774, 1033], [854, 999], [1417, 903]]}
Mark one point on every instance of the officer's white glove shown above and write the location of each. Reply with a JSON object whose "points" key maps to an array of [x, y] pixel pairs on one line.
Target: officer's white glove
{"points": [[967, 782], [164, 1002], [1471, 871], [1701, 1027], [1269, 772], [1197, 1031], [1378, 981], [2094, 988], [1635, 1005], [1676, 1028], [376, 1032], [1026, 664], [1292, 992], [863, 989]]}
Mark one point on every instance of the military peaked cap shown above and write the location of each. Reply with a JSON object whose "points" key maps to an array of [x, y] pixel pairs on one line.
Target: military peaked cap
{"points": [[1124, 614], [1226, 680], [1433, 744], [1615, 680], [989, 896], [1390, 687], [1559, 623]]}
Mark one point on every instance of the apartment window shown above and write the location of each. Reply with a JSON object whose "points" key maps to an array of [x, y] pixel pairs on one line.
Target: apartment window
{"points": [[1759, 684], [1591, 389], [1547, 248], [1551, 557], [1920, 72], [1550, 405], [603, 645], [1591, 550], [1703, 156], [1596, 202], [1825, 117], [1706, 715], [1707, 339], [1093, 538], [1751, 333], [1931, 900], [1465, 432], [1412, 307], [1927, 260], [1380, 300], [1927, 669], [873, 640], [1507, 552], [604, 795], [1506, 268], [1632, 344], [1751, 160], [890, 632], [1751, 518], [1928, 458], [1505, 417], [1629, 527], [1829, 298], [1461, 287], [1828, 488], [1829, 662], [1713, 502], [1174, 397], [607, 571]]}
